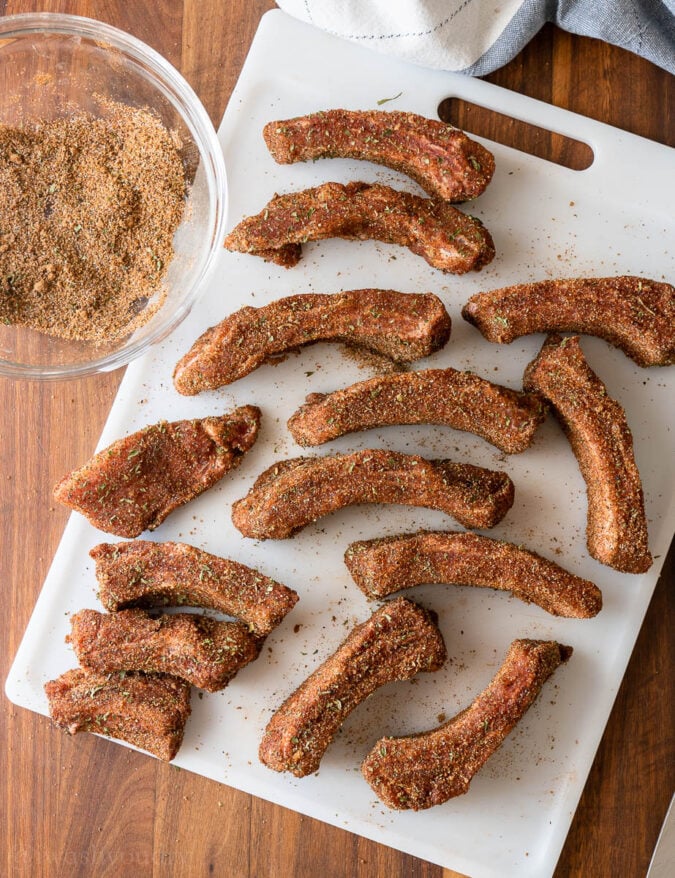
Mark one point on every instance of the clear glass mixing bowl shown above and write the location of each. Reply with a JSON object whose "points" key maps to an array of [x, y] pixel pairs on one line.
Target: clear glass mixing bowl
{"points": [[52, 65]]}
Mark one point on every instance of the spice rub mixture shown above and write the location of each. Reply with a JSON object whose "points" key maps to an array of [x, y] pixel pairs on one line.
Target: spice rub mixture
{"points": [[88, 210]]}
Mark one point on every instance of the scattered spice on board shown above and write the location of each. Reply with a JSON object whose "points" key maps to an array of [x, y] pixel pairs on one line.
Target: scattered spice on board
{"points": [[88, 210]]}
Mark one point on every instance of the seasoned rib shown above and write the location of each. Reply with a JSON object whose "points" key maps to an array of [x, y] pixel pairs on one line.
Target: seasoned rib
{"points": [[146, 710], [441, 158], [145, 574], [401, 326], [634, 313], [462, 400], [383, 566], [598, 432], [137, 481], [286, 256], [419, 771], [293, 493], [396, 643], [435, 230], [201, 650]]}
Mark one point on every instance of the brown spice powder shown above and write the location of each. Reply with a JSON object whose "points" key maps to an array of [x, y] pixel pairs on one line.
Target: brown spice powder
{"points": [[88, 210]]}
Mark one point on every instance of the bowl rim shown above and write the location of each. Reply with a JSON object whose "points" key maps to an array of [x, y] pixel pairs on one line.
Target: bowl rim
{"points": [[174, 88]]}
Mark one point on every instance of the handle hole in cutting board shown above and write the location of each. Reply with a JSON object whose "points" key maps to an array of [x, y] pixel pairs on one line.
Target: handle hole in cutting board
{"points": [[520, 135]]}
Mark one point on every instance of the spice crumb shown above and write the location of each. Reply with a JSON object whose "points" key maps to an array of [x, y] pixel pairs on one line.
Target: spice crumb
{"points": [[88, 210]]}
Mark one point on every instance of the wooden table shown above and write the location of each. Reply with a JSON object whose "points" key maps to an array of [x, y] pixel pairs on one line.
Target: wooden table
{"points": [[83, 806]]}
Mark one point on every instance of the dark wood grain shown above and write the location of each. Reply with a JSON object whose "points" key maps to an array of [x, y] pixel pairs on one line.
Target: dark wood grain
{"points": [[515, 133], [84, 806]]}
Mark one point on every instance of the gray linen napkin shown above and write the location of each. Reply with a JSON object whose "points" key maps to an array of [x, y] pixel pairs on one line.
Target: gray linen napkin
{"points": [[478, 36]]}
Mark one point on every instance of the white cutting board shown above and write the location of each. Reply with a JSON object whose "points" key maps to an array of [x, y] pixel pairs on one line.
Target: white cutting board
{"points": [[547, 221]]}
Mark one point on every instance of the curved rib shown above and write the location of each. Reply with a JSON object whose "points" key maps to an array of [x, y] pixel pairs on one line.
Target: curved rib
{"points": [[401, 326], [293, 493], [441, 158], [446, 397], [396, 643], [635, 314], [146, 710], [133, 484], [146, 574], [420, 771], [383, 566], [598, 432], [205, 652], [435, 230]]}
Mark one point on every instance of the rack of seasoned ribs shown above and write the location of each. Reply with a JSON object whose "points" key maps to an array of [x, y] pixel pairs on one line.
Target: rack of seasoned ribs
{"points": [[634, 313], [148, 711], [445, 237], [199, 649], [598, 432], [396, 643], [293, 493], [146, 574], [133, 484], [506, 418], [386, 565], [419, 771], [401, 326], [442, 159]]}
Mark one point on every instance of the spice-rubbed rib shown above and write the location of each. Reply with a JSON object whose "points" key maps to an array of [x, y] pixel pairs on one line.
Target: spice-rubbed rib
{"points": [[146, 574], [148, 711], [633, 313], [402, 326], [286, 256], [201, 650], [396, 643], [598, 432], [435, 230], [447, 397], [292, 493], [383, 566], [441, 158], [133, 484], [423, 770]]}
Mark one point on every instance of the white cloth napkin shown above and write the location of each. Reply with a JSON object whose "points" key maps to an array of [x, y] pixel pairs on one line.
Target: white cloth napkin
{"points": [[478, 36]]}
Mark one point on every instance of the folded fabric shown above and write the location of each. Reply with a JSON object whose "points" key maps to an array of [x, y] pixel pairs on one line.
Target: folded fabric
{"points": [[478, 36]]}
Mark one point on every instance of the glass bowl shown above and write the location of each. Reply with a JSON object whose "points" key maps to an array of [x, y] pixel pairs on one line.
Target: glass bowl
{"points": [[52, 65]]}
